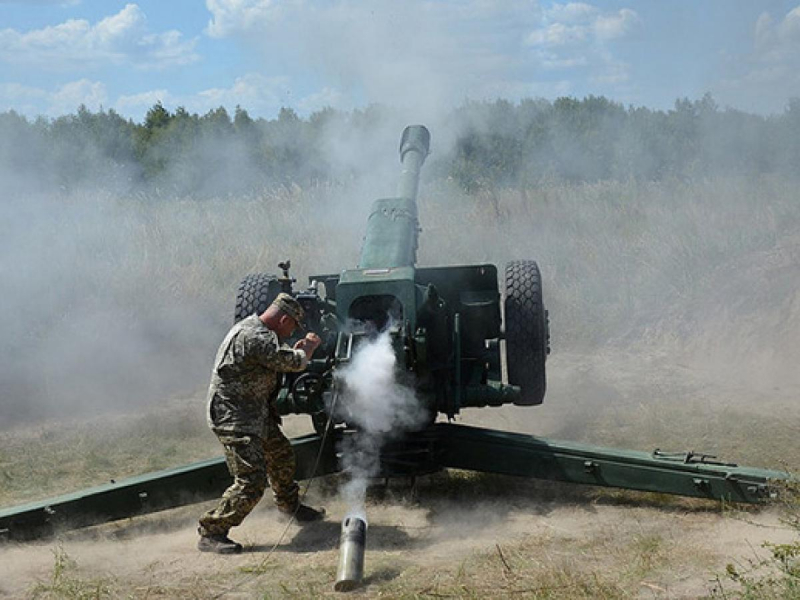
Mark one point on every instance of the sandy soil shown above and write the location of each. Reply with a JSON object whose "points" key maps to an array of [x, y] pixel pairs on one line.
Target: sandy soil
{"points": [[160, 559], [157, 556]]}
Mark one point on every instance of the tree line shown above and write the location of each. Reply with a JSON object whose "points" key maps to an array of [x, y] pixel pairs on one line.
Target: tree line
{"points": [[497, 143]]}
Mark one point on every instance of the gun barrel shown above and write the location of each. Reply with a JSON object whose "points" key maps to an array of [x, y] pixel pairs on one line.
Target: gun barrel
{"points": [[414, 146], [392, 227]]}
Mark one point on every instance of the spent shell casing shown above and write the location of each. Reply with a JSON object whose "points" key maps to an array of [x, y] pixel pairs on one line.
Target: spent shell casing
{"points": [[351, 554]]}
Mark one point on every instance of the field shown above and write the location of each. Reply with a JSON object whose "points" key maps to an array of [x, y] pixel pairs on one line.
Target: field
{"points": [[674, 313]]}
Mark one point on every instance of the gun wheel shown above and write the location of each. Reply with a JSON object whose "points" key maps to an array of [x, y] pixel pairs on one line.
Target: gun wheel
{"points": [[256, 293], [527, 331]]}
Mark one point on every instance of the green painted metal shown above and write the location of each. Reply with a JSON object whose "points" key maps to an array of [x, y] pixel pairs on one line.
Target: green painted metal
{"points": [[522, 455], [358, 284], [492, 393], [443, 445], [392, 232], [414, 147], [144, 494], [392, 227]]}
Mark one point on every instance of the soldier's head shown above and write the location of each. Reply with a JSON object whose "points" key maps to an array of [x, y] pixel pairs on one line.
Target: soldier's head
{"points": [[283, 316]]}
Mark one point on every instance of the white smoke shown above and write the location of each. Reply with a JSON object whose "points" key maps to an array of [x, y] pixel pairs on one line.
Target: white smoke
{"points": [[380, 407], [376, 402]]}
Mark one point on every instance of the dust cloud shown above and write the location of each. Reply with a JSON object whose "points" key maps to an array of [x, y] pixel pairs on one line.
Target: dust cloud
{"points": [[420, 542], [115, 295], [88, 325]]}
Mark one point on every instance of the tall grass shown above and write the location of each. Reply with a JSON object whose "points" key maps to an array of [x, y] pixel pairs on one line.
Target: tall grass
{"points": [[113, 300], [616, 256]]}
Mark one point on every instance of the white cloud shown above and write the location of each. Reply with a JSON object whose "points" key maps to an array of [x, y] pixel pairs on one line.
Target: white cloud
{"points": [[613, 73], [611, 27], [64, 99], [229, 17], [578, 36], [768, 75], [425, 54], [558, 34], [431, 54], [70, 96], [140, 103], [578, 23], [574, 12], [325, 98], [257, 93], [123, 38], [260, 95], [778, 43], [21, 98]]}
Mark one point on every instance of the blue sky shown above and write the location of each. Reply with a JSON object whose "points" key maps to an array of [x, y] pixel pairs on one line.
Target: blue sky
{"points": [[420, 55]]}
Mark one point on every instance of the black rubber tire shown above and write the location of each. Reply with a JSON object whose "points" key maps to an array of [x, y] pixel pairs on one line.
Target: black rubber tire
{"points": [[256, 293], [527, 331]]}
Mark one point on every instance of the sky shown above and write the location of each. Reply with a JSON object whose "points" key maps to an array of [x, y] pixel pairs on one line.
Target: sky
{"points": [[419, 55]]}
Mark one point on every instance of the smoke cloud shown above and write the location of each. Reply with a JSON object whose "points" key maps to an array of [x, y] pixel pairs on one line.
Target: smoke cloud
{"points": [[117, 294], [381, 408]]}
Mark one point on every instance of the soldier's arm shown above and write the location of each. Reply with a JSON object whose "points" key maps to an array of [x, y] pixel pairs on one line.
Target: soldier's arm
{"points": [[288, 359], [279, 357], [308, 345]]}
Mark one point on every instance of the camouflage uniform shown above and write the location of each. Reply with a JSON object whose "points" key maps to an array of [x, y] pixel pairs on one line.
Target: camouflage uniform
{"points": [[242, 414]]}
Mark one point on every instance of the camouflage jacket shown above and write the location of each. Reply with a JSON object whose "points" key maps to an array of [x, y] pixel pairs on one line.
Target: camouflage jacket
{"points": [[246, 377]]}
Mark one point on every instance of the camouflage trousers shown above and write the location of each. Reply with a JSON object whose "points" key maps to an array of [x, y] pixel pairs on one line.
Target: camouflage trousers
{"points": [[253, 461]]}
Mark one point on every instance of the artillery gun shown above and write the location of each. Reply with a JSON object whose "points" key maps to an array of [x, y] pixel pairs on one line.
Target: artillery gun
{"points": [[445, 322], [449, 336]]}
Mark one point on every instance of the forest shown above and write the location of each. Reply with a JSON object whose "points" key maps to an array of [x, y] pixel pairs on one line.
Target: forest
{"points": [[498, 144]]}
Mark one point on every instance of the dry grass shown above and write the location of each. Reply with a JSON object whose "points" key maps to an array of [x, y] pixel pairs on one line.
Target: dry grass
{"points": [[626, 265], [776, 575], [615, 255], [50, 459], [576, 547], [66, 582], [622, 261]]}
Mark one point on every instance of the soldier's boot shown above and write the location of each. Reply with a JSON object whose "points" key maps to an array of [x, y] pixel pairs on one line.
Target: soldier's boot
{"points": [[219, 543], [302, 513]]}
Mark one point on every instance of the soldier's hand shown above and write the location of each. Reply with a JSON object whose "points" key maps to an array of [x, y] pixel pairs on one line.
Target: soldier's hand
{"points": [[312, 342], [308, 344]]}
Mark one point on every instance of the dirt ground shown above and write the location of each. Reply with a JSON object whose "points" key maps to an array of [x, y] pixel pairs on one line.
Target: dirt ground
{"points": [[462, 535], [650, 552]]}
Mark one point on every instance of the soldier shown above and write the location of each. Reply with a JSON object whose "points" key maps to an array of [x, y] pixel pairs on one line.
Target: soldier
{"points": [[242, 413]]}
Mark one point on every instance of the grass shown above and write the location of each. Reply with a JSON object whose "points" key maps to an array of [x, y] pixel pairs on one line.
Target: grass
{"points": [[62, 457], [66, 582], [778, 575], [616, 255], [771, 439], [507, 572], [510, 569], [639, 555], [675, 264], [621, 260]]}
